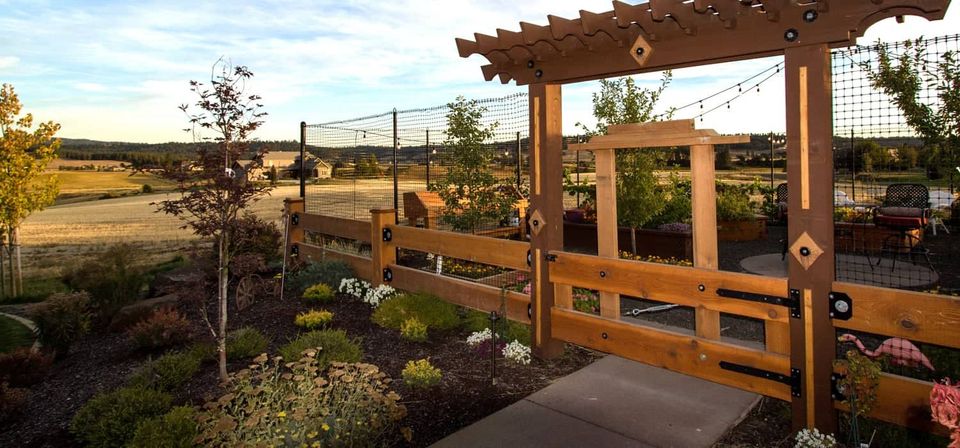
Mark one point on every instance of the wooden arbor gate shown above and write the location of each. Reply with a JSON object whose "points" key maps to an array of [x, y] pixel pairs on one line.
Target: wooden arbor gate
{"points": [[664, 34]]}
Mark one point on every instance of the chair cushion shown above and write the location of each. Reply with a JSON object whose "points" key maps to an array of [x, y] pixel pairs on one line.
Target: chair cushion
{"points": [[906, 222], [913, 212]]}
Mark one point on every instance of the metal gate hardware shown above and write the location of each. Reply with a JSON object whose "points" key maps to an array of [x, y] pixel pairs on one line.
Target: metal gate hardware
{"points": [[841, 306], [387, 275], [529, 259], [550, 257], [794, 380], [835, 389], [295, 219], [387, 235], [792, 302], [294, 250]]}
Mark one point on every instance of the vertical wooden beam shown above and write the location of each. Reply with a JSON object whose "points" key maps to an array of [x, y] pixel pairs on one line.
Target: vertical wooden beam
{"points": [[382, 253], [546, 201], [295, 233], [809, 157], [705, 252], [607, 241]]}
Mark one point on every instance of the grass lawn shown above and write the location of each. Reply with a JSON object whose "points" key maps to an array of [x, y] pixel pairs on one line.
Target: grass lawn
{"points": [[13, 334], [74, 182], [36, 289]]}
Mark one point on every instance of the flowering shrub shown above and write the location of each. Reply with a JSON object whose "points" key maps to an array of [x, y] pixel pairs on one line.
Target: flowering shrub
{"points": [[166, 327], [470, 269], [517, 352], [478, 337], [655, 259], [945, 408], [313, 319], [354, 287], [321, 292], [295, 404], [814, 439], [414, 330], [421, 374]]}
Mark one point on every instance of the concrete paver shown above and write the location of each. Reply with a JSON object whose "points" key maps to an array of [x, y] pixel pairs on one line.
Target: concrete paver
{"points": [[614, 402]]}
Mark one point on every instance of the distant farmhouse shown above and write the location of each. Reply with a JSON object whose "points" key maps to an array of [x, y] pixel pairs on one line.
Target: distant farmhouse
{"points": [[287, 165]]}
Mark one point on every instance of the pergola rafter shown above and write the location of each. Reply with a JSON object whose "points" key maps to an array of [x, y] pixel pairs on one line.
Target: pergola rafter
{"points": [[665, 34]]}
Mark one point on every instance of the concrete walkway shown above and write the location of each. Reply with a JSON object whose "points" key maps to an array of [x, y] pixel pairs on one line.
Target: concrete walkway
{"points": [[26, 323], [613, 403]]}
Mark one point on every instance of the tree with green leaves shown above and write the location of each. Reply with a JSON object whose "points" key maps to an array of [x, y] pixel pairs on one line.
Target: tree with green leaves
{"points": [[24, 155], [212, 197], [904, 77], [471, 193], [620, 101]]}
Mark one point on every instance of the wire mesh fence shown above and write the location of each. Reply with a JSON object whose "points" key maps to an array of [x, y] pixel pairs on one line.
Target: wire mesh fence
{"points": [[893, 197]]}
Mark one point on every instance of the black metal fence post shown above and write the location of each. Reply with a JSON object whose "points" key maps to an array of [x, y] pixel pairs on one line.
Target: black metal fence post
{"points": [[303, 150], [428, 158], [519, 163], [396, 183]]}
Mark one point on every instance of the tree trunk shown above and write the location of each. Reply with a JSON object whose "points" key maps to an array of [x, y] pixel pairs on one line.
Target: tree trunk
{"points": [[10, 264], [15, 237], [222, 302], [3, 276]]}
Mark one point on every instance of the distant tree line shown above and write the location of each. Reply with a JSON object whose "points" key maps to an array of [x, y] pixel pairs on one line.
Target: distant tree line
{"points": [[155, 154]]}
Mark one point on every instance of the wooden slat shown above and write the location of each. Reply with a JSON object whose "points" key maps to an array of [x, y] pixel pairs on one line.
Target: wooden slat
{"points": [[381, 254], [902, 401], [461, 292], [607, 244], [340, 227], [673, 284], [705, 251], [916, 316], [492, 251], [776, 337], [673, 351], [653, 141], [360, 265], [653, 126]]}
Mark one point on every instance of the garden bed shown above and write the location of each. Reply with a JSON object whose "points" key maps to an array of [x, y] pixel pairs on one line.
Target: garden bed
{"points": [[103, 362], [582, 237]]}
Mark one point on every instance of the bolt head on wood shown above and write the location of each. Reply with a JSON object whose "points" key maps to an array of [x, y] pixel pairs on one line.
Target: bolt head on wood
{"points": [[641, 51]]}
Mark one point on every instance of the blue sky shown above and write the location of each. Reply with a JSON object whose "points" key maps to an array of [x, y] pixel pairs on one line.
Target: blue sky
{"points": [[117, 70]]}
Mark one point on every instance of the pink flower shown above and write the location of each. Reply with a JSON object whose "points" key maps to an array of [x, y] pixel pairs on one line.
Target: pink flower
{"points": [[945, 409], [526, 289]]}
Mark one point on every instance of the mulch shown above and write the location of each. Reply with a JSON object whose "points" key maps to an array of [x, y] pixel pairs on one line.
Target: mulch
{"points": [[103, 361]]}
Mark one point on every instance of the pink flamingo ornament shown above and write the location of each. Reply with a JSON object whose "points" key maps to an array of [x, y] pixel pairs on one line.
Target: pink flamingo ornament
{"points": [[901, 351]]}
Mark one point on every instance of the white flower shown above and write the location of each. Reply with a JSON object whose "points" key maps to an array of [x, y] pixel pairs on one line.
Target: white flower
{"points": [[517, 352], [479, 337], [814, 439], [354, 287]]}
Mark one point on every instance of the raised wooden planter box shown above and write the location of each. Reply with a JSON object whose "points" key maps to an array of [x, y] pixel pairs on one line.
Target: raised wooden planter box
{"points": [[748, 230], [853, 237], [582, 237]]}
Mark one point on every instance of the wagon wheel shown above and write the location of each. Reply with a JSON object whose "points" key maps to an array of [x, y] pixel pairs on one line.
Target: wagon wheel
{"points": [[246, 291]]}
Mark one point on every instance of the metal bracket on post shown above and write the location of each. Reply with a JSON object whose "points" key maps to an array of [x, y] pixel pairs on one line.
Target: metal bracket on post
{"points": [[295, 219], [387, 235], [294, 250], [792, 302], [387, 275], [795, 297], [794, 380], [529, 258], [836, 391], [841, 306]]}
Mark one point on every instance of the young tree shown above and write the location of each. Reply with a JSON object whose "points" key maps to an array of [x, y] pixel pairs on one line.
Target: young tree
{"points": [[211, 195], [904, 77], [472, 195], [24, 155]]}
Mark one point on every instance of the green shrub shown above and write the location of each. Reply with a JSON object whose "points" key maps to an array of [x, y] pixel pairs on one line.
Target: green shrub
{"points": [[413, 330], [333, 344], [169, 371], [175, 429], [113, 279], [421, 374], [327, 272], [291, 404], [245, 343], [313, 319], [11, 399], [321, 292], [733, 205], [110, 419], [165, 327], [146, 188], [24, 367], [62, 320], [255, 236], [507, 330], [429, 310]]}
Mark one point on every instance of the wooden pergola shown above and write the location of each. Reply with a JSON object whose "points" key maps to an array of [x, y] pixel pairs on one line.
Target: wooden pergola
{"points": [[667, 34]]}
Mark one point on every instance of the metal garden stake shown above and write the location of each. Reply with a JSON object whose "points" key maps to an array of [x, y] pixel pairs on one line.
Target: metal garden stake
{"points": [[493, 347]]}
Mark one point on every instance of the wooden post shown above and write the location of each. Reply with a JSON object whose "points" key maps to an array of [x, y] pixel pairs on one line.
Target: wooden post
{"points": [[607, 240], [810, 229], [382, 253], [546, 209], [295, 233], [704, 203]]}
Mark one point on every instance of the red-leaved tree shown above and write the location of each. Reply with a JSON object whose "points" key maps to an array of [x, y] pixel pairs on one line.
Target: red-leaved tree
{"points": [[212, 195]]}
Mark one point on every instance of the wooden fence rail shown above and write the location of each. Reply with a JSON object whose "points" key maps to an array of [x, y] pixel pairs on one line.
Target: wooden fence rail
{"points": [[919, 317]]}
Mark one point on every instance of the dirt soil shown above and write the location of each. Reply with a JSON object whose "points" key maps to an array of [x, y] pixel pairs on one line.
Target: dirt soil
{"points": [[102, 362]]}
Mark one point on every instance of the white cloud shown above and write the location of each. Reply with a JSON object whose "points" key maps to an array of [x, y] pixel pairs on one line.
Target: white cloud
{"points": [[90, 87], [7, 62]]}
